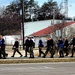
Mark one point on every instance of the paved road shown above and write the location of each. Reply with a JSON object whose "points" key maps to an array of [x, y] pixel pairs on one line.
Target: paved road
{"points": [[38, 69]]}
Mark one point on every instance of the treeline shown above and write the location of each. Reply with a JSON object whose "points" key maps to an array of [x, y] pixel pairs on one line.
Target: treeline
{"points": [[10, 20], [10, 25], [33, 12]]}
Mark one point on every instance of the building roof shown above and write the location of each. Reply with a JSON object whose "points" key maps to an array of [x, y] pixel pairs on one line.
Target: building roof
{"points": [[51, 29], [32, 27]]}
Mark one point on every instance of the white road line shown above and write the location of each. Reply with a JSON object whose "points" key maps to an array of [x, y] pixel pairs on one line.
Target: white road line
{"points": [[28, 68]]}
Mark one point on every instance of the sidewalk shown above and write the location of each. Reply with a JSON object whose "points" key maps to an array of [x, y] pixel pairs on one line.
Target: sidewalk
{"points": [[35, 50], [10, 51], [18, 59]]}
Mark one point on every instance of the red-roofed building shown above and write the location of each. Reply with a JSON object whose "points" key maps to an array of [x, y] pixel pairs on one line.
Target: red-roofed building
{"points": [[51, 29], [68, 30]]}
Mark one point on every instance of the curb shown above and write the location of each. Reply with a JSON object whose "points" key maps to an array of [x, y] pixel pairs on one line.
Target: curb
{"points": [[36, 60]]}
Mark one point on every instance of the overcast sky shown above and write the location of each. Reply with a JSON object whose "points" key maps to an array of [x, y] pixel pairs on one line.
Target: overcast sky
{"points": [[71, 5]]}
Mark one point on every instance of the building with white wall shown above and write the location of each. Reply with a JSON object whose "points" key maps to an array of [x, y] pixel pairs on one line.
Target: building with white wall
{"points": [[32, 27], [41, 28], [10, 39], [68, 29]]}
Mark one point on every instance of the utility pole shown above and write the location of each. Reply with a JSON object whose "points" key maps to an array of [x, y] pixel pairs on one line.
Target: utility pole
{"points": [[22, 4], [53, 23]]}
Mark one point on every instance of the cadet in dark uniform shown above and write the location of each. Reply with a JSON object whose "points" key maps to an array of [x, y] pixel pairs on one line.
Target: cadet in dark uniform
{"points": [[2, 48], [60, 46], [50, 44], [40, 45], [66, 46], [31, 45], [73, 43], [15, 48], [26, 46]]}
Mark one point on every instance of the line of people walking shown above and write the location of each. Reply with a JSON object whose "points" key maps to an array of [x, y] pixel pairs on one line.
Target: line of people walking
{"points": [[29, 45], [61, 46]]}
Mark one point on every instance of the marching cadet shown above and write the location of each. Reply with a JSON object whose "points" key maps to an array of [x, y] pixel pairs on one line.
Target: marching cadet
{"points": [[26, 44], [2, 48], [60, 47], [40, 45], [31, 45], [15, 48], [50, 44], [66, 44], [73, 43]]}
